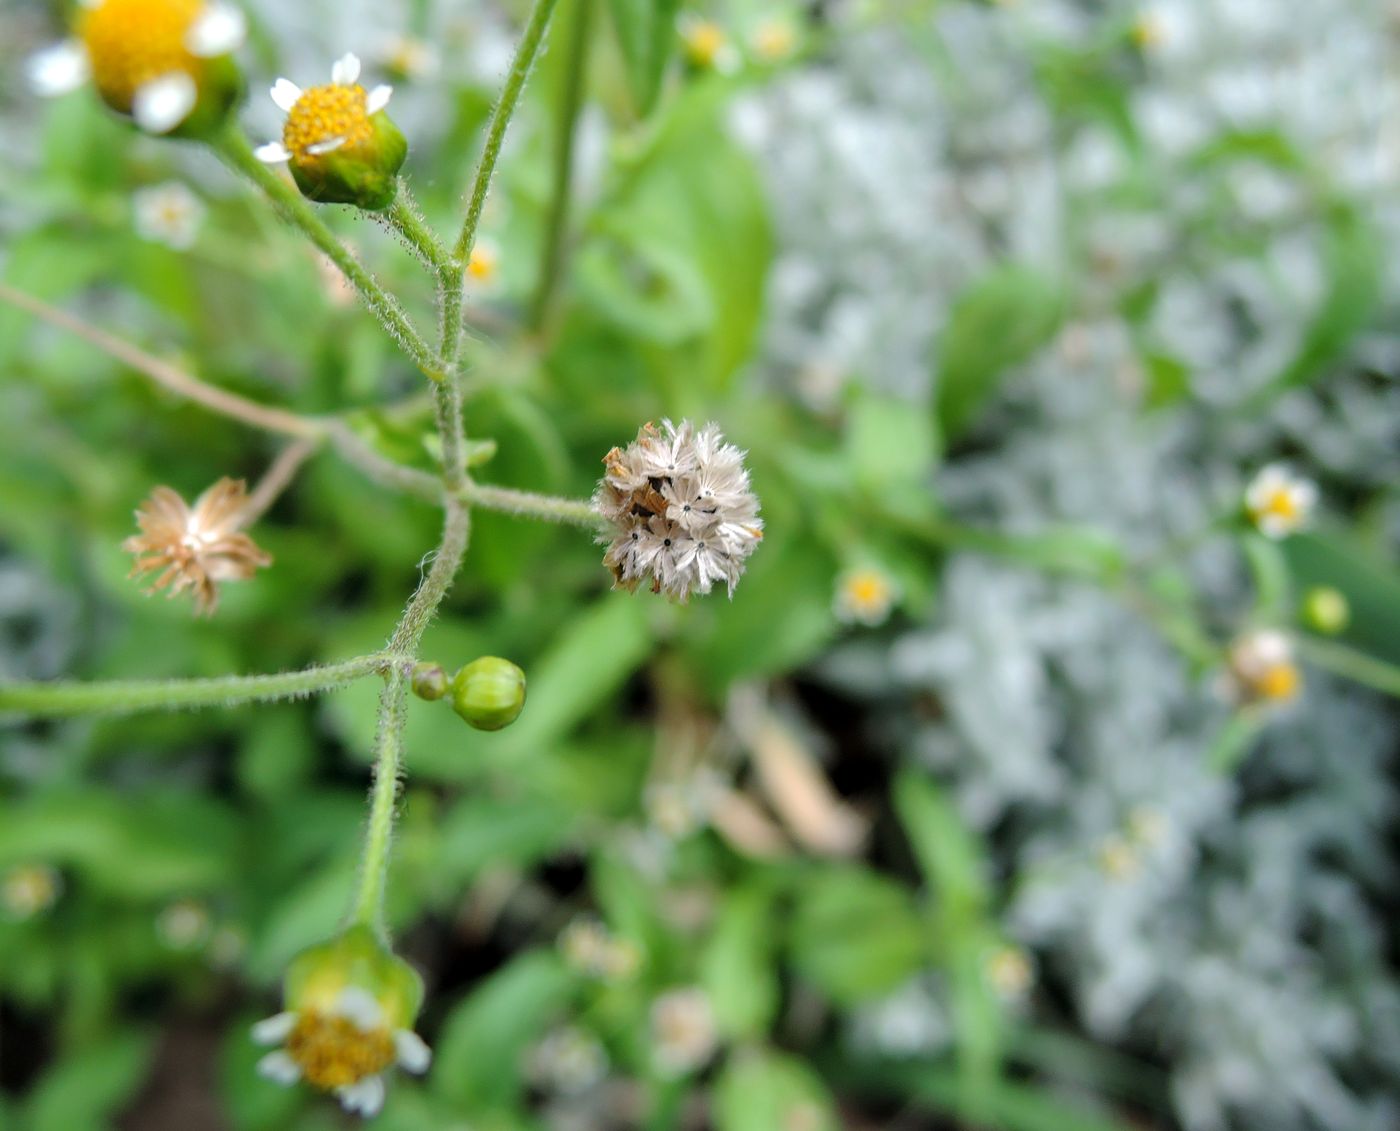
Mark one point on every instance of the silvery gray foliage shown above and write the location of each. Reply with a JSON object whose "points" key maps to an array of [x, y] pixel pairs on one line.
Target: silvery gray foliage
{"points": [[1230, 923]]}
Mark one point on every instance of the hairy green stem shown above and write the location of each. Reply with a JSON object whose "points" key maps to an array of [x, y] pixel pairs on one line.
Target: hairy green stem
{"points": [[235, 151], [62, 698], [368, 907], [406, 218], [557, 223], [1354, 665], [527, 504], [525, 54]]}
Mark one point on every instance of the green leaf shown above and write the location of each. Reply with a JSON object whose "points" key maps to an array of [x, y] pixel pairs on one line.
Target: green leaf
{"points": [[1273, 587], [83, 1089], [767, 1091], [646, 34], [888, 441], [737, 966], [855, 934], [1370, 585], [480, 1052], [998, 322]]}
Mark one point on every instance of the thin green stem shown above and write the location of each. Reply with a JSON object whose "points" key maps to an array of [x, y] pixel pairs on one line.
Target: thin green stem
{"points": [[527, 504], [235, 151], [1354, 665], [525, 54], [406, 218], [557, 223], [277, 479], [368, 907], [383, 471], [122, 697], [447, 401]]}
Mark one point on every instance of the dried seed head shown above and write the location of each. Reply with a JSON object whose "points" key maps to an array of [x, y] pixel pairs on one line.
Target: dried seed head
{"points": [[682, 513], [195, 547]]}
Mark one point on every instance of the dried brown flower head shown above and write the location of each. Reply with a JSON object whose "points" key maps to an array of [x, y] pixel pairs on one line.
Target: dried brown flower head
{"points": [[681, 510], [195, 547]]}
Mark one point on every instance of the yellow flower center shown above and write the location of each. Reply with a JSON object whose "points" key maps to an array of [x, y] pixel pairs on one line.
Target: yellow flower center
{"points": [[704, 41], [1148, 32], [333, 1052], [1281, 681], [131, 42], [1283, 504], [774, 40], [867, 590], [482, 264], [322, 115]]}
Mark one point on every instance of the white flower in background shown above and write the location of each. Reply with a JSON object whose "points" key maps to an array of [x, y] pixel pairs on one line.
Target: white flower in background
{"points": [[168, 213], [344, 1049], [147, 58], [1278, 502], [590, 948], [184, 925], [569, 1061], [1261, 668], [1147, 826], [1118, 859], [682, 513], [27, 890], [864, 595], [774, 39], [323, 119], [483, 271], [706, 44], [683, 1032], [1010, 972], [411, 57]]}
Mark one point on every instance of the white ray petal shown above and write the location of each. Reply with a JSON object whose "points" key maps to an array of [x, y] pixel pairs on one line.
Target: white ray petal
{"points": [[358, 1006], [330, 145], [219, 29], [377, 99], [346, 70], [285, 93], [58, 69], [273, 1030], [273, 153], [162, 104], [280, 1067], [412, 1051], [364, 1097]]}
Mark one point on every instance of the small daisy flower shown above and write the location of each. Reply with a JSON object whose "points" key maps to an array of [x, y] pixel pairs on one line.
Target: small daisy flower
{"points": [[568, 1061], [196, 547], [163, 63], [350, 1008], [27, 890], [706, 44], [168, 213], [682, 514], [1261, 669], [774, 40], [1118, 859], [184, 925], [1147, 826], [1010, 972], [484, 266], [1278, 502], [683, 1032], [864, 595], [410, 57], [338, 141]]}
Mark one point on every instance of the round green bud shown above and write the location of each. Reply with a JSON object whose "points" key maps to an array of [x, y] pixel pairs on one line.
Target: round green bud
{"points": [[1326, 610], [428, 681], [356, 959], [489, 693]]}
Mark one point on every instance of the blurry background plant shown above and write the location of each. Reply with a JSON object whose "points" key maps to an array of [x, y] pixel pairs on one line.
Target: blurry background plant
{"points": [[981, 803]]}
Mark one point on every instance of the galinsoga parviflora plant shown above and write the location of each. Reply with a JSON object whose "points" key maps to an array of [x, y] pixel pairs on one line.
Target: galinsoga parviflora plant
{"points": [[674, 507]]}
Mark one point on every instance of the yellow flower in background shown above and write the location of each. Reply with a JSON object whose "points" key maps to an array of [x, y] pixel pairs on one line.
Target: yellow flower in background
{"points": [[1261, 669], [484, 265], [27, 890], [774, 40], [163, 63], [864, 595], [706, 44], [1010, 972]]}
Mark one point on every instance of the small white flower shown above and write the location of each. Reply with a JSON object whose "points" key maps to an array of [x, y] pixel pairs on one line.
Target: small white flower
{"points": [[184, 925], [1261, 668], [1010, 972], [707, 45], [683, 1032], [411, 57], [127, 46], [346, 1059], [864, 595], [681, 510], [483, 270], [27, 890], [1278, 502], [168, 213], [322, 119], [569, 1061]]}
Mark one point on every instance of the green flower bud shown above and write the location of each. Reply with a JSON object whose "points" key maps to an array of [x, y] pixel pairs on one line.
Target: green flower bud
{"points": [[489, 693], [341, 146], [356, 959], [1326, 610], [429, 681]]}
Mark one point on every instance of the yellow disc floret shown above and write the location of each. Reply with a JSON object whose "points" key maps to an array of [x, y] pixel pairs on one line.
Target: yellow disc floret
{"points": [[327, 118], [333, 1052], [1279, 683], [133, 42]]}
